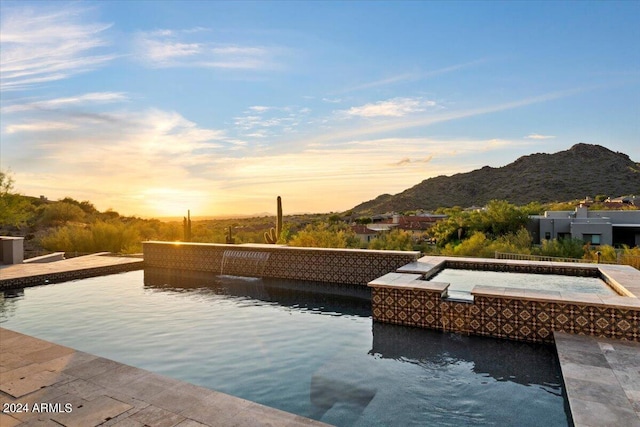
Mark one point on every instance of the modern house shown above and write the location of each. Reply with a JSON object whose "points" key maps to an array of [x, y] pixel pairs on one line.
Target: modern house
{"points": [[609, 227]]}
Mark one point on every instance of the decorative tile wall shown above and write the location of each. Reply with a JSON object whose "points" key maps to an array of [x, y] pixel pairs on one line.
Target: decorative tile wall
{"points": [[406, 307], [503, 317], [346, 266]]}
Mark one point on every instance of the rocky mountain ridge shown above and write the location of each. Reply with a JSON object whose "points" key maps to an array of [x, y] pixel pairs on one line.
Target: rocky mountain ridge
{"points": [[583, 170]]}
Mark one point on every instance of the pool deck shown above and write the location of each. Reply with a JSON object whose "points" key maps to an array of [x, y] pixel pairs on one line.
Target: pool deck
{"points": [[84, 390], [602, 379], [601, 376], [35, 274]]}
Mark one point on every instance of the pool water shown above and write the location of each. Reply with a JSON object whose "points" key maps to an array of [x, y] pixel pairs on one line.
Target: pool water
{"points": [[462, 282], [312, 354]]}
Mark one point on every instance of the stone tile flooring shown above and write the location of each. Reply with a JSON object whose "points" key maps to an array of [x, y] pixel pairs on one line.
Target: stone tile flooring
{"points": [[32, 274], [62, 386], [602, 379]]}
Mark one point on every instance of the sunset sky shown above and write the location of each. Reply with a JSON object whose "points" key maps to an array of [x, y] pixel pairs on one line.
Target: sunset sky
{"points": [[153, 108]]}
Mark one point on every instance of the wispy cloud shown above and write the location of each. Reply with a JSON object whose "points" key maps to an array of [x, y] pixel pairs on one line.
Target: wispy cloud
{"points": [[383, 82], [189, 48], [39, 127], [407, 77], [443, 115], [50, 104], [452, 68], [538, 136], [396, 107], [261, 121], [407, 161], [260, 108], [48, 43]]}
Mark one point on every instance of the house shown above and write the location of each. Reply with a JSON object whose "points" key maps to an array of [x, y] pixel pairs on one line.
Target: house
{"points": [[363, 233], [416, 225], [625, 200], [608, 227]]}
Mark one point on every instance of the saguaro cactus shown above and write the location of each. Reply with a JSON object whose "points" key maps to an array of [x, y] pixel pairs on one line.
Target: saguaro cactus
{"points": [[186, 225], [273, 234], [230, 239]]}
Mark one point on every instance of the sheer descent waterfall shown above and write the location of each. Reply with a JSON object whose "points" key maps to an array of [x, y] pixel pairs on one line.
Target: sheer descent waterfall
{"points": [[244, 263]]}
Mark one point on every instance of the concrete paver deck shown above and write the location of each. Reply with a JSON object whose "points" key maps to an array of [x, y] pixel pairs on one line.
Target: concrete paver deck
{"points": [[34, 274], [602, 379], [42, 383]]}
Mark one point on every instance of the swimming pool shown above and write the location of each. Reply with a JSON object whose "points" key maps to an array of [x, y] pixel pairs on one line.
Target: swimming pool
{"points": [[313, 354], [462, 282]]}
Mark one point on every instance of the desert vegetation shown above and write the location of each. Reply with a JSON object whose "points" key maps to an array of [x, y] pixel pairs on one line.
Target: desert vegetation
{"points": [[78, 227]]}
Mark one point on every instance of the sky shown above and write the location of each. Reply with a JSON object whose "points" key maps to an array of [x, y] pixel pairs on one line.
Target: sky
{"points": [[151, 108]]}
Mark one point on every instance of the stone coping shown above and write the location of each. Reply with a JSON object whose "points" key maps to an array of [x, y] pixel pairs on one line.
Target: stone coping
{"points": [[622, 278], [72, 388], [408, 281], [601, 379]]}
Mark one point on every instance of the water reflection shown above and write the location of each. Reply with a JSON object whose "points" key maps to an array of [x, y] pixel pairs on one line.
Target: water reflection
{"points": [[503, 360], [324, 297], [8, 300]]}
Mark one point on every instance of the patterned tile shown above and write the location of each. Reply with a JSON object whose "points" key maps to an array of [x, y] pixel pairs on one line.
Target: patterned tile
{"points": [[318, 265]]}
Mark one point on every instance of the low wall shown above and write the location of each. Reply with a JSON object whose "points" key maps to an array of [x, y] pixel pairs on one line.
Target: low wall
{"points": [[346, 266], [405, 298], [504, 316]]}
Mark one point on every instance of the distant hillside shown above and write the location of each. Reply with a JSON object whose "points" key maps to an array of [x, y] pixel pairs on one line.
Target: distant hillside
{"points": [[583, 170]]}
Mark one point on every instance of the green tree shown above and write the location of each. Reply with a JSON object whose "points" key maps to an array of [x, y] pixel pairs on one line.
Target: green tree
{"points": [[501, 217], [498, 218], [15, 210], [59, 213], [364, 220]]}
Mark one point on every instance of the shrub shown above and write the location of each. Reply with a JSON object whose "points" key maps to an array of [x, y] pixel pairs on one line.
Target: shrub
{"points": [[566, 248], [397, 240], [323, 236], [61, 212]]}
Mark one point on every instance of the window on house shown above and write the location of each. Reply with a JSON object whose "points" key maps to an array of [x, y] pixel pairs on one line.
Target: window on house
{"points": [[547, 235], [594, 239]]}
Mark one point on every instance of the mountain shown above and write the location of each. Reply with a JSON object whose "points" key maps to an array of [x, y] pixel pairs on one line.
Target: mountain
{"points": [[583, 170]]}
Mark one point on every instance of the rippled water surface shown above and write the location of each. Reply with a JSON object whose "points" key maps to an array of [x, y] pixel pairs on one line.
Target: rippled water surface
{"points": [[312, 354]]}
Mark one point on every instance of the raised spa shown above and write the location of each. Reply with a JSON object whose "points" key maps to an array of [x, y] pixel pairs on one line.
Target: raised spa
{"points": [[461, 282]]}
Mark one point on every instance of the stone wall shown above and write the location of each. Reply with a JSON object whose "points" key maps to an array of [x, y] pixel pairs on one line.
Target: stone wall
{"points": [[346, 266]]}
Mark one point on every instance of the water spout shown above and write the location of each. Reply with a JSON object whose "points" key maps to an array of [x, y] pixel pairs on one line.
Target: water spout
{"points": [[244, 263]]}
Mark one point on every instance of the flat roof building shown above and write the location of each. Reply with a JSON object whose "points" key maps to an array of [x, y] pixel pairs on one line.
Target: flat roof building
{"points": [[610, 227]]}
